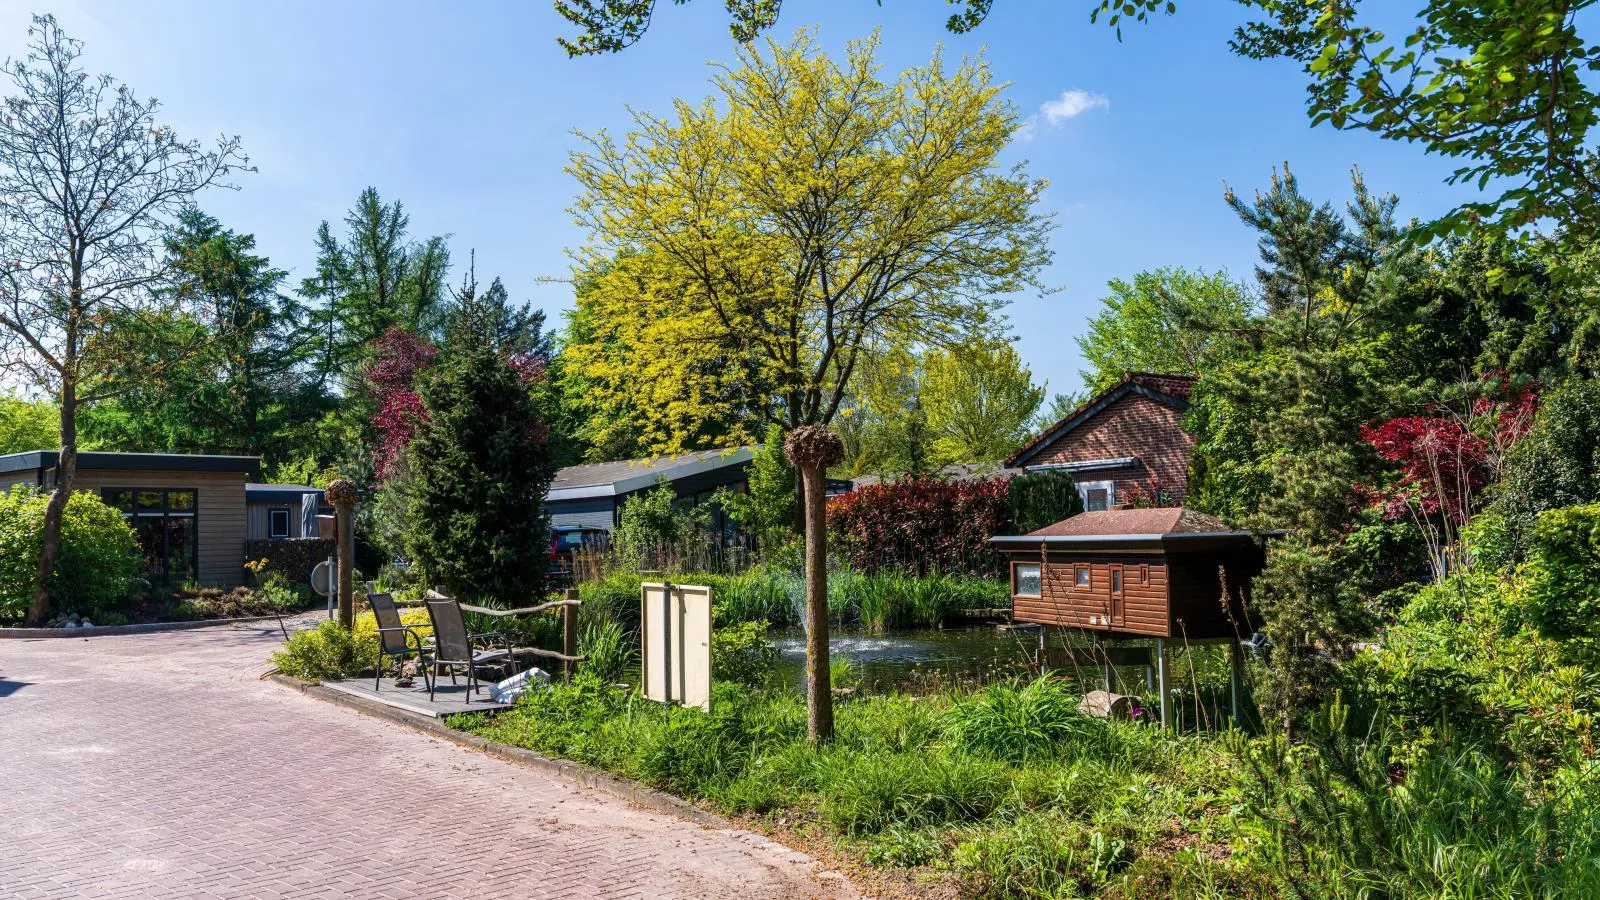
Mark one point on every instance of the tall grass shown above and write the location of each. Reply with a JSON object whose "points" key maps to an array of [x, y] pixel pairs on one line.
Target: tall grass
{"points": [[877, 602], [905, 779]]}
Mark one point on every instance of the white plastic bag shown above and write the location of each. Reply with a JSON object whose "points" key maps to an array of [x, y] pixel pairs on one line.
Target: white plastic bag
{"points": [[509, 690]]}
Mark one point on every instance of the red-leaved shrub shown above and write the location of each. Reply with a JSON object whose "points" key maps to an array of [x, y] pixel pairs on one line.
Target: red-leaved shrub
{"points": [[917, 526]]}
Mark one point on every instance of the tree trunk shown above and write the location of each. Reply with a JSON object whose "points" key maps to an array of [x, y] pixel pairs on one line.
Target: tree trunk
{"points": [[819, 688], [66, 473]]}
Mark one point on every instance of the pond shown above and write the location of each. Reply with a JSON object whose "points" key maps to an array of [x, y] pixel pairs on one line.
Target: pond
{"points": [[917, 659]]}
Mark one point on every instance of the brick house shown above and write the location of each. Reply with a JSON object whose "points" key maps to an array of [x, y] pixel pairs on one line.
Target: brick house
{"points": [[1126, 441]]}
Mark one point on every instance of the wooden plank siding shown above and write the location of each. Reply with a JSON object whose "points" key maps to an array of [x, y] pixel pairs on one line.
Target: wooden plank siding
{"points": [[1142, 608], [257, 520], [220, 510]]}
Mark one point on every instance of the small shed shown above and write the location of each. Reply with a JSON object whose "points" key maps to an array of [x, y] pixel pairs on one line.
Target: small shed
{"points": [[1167, 573], [1158, 572]]}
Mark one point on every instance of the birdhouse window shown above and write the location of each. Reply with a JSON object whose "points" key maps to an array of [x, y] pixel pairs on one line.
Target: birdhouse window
{"points": [[1025, 579]]}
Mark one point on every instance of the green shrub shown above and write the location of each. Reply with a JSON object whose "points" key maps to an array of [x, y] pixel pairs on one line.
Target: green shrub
{"points": [[1555, 465], [1040, 498], [1356, 812], [616, 599], [329, 652], [741, 654], [1015, 721], [98, 567], [1564, 580], [325, 653]]}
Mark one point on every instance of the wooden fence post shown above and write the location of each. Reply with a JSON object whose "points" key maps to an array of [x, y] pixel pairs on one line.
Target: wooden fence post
{"points": [[569, 633]]}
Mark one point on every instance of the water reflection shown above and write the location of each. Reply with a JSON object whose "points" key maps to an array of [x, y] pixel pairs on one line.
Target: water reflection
{"points": [[910, 659]]}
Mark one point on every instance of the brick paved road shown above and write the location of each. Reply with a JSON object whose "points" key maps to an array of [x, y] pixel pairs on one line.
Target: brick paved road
{"points": [[159, 765]]}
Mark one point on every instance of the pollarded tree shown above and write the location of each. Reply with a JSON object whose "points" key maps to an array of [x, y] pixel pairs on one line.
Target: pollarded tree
{"points": [[481, 461], [752, 249], [89, 185]]}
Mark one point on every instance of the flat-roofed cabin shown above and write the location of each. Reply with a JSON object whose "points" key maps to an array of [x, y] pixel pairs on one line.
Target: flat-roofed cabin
{"points": [[1158, 572]]}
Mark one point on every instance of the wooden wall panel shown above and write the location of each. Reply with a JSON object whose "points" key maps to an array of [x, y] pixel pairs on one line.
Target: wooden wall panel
{"points": [[222, 522], [1142, 609]]}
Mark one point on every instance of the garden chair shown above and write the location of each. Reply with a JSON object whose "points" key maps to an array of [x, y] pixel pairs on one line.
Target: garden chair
{"points": [[453, 645], [395, 638]]}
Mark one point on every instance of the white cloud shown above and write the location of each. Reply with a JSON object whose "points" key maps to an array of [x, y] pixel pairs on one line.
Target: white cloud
{"points": [[1071, 104]]}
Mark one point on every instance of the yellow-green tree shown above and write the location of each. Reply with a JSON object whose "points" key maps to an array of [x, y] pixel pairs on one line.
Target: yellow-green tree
{"points": [[980, 400], [746, 253]]}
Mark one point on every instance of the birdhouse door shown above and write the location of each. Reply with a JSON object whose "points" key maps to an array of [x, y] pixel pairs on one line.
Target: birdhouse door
{"points": [[1115, 608]]}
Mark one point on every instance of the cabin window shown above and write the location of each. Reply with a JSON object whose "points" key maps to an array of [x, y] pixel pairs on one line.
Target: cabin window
{"points": [[1025, 579], [1097, 495], [278, 523], [1144, 574], [1081, 578], [1116, 581], [164, 523]]}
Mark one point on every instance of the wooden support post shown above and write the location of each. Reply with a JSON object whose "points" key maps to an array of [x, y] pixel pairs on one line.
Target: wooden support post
{"points": [[569, 633], [1236, 682], [1161, 682]]}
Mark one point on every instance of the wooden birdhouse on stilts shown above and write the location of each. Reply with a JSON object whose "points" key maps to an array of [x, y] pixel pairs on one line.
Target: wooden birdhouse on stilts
{"points": [[1172, 574]]}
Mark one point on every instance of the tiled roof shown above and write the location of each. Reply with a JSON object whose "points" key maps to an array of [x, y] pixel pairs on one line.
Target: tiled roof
{"points": [[1157, 520]]}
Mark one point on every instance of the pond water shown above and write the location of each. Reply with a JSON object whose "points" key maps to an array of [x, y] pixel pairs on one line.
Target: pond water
{"points": [[921, 658]]}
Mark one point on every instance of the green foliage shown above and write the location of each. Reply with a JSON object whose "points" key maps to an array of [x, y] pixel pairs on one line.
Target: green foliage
{"points": [[28, 425], [1556, 464], [97, 569], [481, 460], [765, 508], [328, 652], [1042, 497], [1312, 615], [607, 26], [373, 279], [1501, 86], [1564, 581], [741, 653], [1351, 813], [1016, 722], [608, 650], [900, 782], [1170, 320], [655, 518], [785, 300], [325, 653], [979, 398]]}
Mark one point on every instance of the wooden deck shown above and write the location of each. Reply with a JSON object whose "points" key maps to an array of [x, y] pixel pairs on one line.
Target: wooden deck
{"points": [[448, 699]]}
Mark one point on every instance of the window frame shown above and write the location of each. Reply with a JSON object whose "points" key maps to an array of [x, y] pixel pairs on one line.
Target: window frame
{"points": [[1110, 487], [272, 519], [1016, 591], [167, 513], [1082, 577]]}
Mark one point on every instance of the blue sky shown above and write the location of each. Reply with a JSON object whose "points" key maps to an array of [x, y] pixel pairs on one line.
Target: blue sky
{"points": [[464, 112]]}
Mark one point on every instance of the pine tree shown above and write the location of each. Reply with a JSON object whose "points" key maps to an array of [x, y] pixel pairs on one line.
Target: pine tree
{"points": [[482, 459]]}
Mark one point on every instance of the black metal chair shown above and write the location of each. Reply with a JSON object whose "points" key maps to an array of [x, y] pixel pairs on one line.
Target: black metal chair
{"points": [[396, 639], [453, 645]]}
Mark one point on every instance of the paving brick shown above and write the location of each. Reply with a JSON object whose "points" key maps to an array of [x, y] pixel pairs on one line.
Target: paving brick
{"points": [[161, 765]]}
